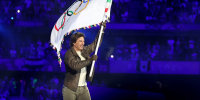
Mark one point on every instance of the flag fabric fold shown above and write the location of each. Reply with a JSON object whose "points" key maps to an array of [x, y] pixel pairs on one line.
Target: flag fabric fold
{"points": [[82, 14]]}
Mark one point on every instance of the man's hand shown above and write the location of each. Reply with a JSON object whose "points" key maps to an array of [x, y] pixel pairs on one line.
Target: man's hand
{"points": [[94, 57], [103, 23]]}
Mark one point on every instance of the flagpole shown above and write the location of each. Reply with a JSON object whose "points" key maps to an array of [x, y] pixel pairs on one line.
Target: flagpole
{"points": [[97, 47], [109, 3]]}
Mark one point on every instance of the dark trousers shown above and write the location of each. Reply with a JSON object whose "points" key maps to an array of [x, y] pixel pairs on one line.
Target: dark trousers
{"points": [[82, 93]]}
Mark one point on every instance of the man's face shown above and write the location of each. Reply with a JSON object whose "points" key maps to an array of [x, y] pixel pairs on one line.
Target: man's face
{"points": [[78, 46]]}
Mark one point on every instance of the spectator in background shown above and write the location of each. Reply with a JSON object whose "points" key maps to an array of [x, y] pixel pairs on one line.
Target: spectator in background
{"points": [[23, 50], [54, 92], [192, 53], [148, 52], [13, 52], [13, 86], [120, 10], [119, 52], [134, 54], [155, 51], [179, 49], [171, 49], [4, 88], [40, 50], [28, 3], [32, 51]]}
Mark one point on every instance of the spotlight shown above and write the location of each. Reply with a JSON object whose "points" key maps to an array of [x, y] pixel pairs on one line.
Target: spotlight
{"points": [[12, 18], [18, 11], [112, 56]]}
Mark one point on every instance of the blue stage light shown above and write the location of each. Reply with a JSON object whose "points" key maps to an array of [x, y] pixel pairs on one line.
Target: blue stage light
{"points": [[12, 18]]}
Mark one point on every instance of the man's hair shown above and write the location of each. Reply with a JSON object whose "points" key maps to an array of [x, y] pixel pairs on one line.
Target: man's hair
{"points": [[74, 38]]}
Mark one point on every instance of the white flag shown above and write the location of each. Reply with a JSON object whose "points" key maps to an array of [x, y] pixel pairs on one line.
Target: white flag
{"points": [[81, 14]]}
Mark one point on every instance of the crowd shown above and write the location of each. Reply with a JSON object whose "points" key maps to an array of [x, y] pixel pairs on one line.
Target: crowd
{"points": [[30, 88], [30, 50], [32, 10], [172, 11], [28, 56], [174, 49], [177, 48], [134, 11]]}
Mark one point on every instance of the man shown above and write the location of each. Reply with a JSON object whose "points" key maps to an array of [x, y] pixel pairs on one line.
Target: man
{"points": [[78, 64]]}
